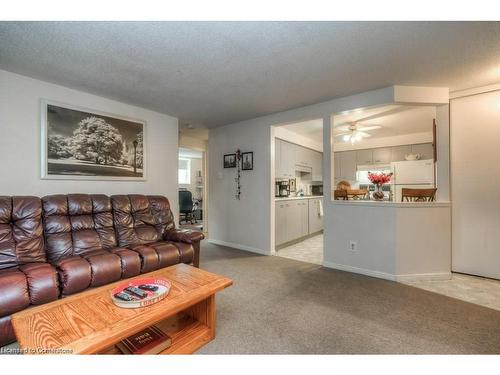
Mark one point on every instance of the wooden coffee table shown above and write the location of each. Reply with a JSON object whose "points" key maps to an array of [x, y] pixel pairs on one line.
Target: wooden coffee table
{"points": [[89, 322]]}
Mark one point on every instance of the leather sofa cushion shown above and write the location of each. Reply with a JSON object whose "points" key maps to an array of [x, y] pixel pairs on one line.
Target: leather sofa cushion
{"points": [[130, 261], [21, 231], [105, 267], [74, 274], [149, 258], [186, 252], [168, 253], [43, 285], [6, 331], [13, 292]]}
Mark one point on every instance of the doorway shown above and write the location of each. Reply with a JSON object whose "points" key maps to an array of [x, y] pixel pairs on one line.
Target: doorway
{"points": [[192, 192], [298, 191]]}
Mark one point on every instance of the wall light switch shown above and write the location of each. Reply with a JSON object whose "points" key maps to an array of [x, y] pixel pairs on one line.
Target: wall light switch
{"points": [[353, 246], [220, 175]]}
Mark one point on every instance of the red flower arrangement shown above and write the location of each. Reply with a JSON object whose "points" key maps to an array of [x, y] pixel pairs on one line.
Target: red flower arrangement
{"points": [[379, 178]]}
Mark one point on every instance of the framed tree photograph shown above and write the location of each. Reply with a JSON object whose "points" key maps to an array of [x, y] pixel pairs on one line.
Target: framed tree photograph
{"points": [[230, 161], [247, 161], [79, 143]]}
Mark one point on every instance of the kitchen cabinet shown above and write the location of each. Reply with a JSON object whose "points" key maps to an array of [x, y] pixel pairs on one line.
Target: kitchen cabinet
{"points": [[424, 149], [280, 223], [315, 219], [317, 165], [398, 152], [364, 157], [303, 156], [289, 157], [348, 165], [295, 219], [336, 165], [382, 155], [284, 159], [277, 158]]}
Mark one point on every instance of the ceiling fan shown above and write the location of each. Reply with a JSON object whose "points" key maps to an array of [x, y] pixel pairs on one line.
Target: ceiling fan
{"points": [[352, 132]]}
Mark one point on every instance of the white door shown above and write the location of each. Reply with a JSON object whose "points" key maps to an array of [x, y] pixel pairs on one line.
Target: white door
{"points": [[475, 176]]}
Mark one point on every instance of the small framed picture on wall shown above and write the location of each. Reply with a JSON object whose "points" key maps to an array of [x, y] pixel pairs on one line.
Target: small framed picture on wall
{"points": [[247, 161], [230, 161]]}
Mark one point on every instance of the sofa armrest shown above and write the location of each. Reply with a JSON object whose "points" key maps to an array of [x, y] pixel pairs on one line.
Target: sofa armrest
{"points": [[183, 235]]}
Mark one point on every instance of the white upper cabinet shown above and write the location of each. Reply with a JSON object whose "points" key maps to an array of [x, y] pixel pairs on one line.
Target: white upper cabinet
{"points": [[424, 149], [348, 165], [382, 155], [399, 152], [364, 157], [284, 159], [317, 165], [289, 157]]}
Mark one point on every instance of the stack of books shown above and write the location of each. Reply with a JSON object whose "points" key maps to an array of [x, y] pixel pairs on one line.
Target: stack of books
{"points": [[151, 340]]}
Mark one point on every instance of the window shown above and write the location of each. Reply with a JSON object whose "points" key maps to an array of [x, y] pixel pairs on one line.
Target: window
{"points": [[184, 171]]}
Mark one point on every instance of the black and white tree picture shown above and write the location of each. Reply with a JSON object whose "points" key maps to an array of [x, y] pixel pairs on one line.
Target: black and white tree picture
{"points": [[82, 144]]}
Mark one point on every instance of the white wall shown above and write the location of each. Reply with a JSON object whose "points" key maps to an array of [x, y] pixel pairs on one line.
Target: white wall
{"points": [[20, 142], [475, 176], [394, 241], [240, 223]]}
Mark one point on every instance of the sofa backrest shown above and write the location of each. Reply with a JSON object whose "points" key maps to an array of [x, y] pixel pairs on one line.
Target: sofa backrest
{"points": [[76, 224], [21, 232], [141, 219]]}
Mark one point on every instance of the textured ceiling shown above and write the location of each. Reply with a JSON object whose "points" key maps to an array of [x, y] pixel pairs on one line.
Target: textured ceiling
{"points": [[215, 73]]}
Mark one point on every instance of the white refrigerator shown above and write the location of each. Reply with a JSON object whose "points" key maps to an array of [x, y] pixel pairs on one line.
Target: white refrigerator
{"points": [[415, 174]]}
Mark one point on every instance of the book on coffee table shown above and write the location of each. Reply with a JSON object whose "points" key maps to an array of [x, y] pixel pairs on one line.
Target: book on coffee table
{"points": [[151, 340]]}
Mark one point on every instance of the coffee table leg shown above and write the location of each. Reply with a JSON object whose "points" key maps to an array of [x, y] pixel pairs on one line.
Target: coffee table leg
{"points": [[196, 258]]}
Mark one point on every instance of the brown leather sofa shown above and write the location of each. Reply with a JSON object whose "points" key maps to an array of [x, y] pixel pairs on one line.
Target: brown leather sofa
{"points": [[63, 244]]}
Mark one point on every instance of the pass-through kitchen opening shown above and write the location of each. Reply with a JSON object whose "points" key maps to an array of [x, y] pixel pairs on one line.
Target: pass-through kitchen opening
{"points": [[298, 191], [385, 154]]}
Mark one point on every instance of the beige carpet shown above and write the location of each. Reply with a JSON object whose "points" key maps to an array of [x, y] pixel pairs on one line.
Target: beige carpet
{"points": [[278, 305]]}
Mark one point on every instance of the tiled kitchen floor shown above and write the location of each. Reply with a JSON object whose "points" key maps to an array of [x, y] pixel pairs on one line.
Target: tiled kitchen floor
{"points": [[309, 250], [473, 289]]}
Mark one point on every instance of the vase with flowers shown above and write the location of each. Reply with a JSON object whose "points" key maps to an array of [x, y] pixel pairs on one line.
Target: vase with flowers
{"points": [[379, 179]]}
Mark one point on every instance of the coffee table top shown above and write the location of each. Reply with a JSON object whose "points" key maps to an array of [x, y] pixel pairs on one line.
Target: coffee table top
{"points": [[89, 321]]}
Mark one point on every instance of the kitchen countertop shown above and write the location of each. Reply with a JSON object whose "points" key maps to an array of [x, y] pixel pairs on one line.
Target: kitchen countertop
{"points": [[296, 198]]}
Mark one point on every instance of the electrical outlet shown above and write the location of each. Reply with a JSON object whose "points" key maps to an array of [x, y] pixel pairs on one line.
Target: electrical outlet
{"points": [[353, 246]]}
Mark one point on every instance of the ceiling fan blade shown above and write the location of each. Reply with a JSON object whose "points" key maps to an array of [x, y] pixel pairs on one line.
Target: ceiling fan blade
{"points": [[363, 134], [367, 128], [342, 134], [342, 128]]}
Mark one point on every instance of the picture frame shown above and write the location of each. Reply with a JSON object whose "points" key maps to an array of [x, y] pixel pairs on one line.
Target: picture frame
{"points": [[230, 161], [247, 161], [72, 146]]}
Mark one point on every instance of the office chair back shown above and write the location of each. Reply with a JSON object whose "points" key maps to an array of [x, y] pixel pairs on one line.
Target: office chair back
{"points": [[185, 201]]}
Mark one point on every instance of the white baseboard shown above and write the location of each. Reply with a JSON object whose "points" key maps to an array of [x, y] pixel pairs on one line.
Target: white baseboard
{"points": [[362, 271], [239, 247], [423, 277], [388, 276]]}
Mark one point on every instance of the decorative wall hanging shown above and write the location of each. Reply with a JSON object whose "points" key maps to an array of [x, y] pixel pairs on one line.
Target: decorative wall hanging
{"points": [[247, 161], [230, 161], [78, 143], [238, 178]]}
